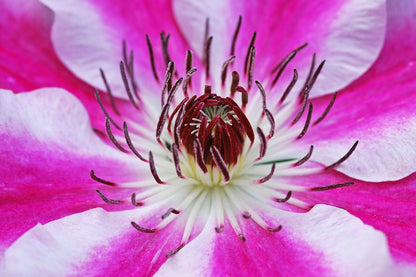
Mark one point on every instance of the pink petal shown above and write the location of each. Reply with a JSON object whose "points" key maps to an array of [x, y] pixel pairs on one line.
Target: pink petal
{"points": [[347, 34], [388, 207], [324, 242], [93, 243], [48, 149], [88, 35], [377, 110]]}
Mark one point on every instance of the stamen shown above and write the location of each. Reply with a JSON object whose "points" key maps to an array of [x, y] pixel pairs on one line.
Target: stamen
{"points": [[126, 85], [268, 176], [244, 96], [130, 144], [302, 109], [306, 84], [219, 161], [165, 41], [251, 67], [327, 109], [315, 75], [168, 80], [97, 96], [219, 229], [290, 86], [307, 122], [207, 56], [252, 41], [134, 202], [110, 94], [224, 69], [335, 186], [207, 89], [152, 58], [246, 215], [234, 82], [263, 143], [130, 71], [271, 121], [283, 200], [187, 81], [282, 65], [170, 211], [161, 122], [285, 61], [141, 229], [102, 181], [263, 94], [111, 136], [198, 154], [277, 229], [173, 252], [235, 35], [346, 156], [173, 90], [242, 238], [305, 158], [176, 160], [107, 200], [153, 169]]}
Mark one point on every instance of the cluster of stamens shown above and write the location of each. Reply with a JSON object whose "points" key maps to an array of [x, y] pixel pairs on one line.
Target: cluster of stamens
{"points": [[205, 149]]}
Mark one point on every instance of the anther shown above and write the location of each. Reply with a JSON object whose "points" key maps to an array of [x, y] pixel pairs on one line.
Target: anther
{"points": [[246, 215], [224, 69], [126, 84], [102, 181], [219, 229], [152, 58], [141, 229], [251, 67], [270, 118], [176, 160], [207, 89], [334, 186], [315, 75], [162, 121], [287, 197], [263, 143], [306, 84], [165, 41], [263, 94], [198, 154], [107, 200], [130, 144], [346, 156], [111, 136], [277, 229], [130, 71], [170, 211], [307, 122], [235, 35], [134, 201], [153, 169], [288, 58], [168, 79], [305, 158], [110, 94], [207, 57], [97, 96], [242, 238], [176, 250], [244, 96], [187, 80], [302, 109], [282, 65], [234, 82], [327, 109], [268, 176], [252, 41], [219, 161], [290, 86]]}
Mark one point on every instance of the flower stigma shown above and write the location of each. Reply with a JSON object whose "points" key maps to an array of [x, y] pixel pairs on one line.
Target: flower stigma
{"points": [[216, 151]]}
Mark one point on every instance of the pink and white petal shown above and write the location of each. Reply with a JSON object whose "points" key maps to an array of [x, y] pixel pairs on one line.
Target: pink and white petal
{"points": [[48, 149], [323, 242], [27, 58], [377, 110], [387, 206], [93, 243], [88, 35], [347, 34]]}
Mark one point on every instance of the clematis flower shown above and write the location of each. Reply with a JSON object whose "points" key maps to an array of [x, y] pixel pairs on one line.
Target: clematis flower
{"points": [[217, 146]]}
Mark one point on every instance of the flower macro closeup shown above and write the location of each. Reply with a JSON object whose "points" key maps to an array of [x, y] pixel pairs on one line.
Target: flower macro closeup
{"points": [[208, 138]]}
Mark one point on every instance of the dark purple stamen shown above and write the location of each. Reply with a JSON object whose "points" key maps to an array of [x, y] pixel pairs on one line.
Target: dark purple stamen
{"points": [[274, 230], [290, 86], [102, 181], [219, 229], [305, 158], [141, 229], [176, 250], [153, 169], [152, 58], [270, 118], [187, 80], [251, 67], [268, 176], [130, 144], [327, 109], [107, 200], [287, 197], [164, 40], [234, 82], [235, 35], [250, 46], [208, 57], [176, 160], [307, 122], [224, 69], [334, 186], [306, 84], [168, 79], [346, 156], [126, 85], [246, 215], [315, 75], [242, 238], [198, 154], [219, 161], [170, 211], [110, 94], [97, 96], [111, 136], [263, 94], [263, 143], [134, 201], [302, 109]]}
